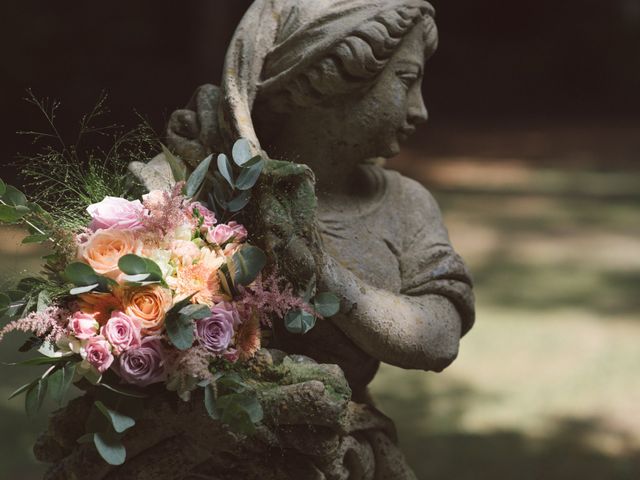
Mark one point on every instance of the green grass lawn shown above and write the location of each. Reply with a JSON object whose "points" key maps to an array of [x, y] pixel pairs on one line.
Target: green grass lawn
{"points": [[546, 385]]}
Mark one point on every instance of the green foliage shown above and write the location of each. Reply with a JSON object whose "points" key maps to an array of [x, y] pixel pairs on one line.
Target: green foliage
{"points": [[225, 169], [178, 168], [237, 405], [60, 382], [299, 321], [197, 178], [179, 323], [326, 304], [140, 270], [118, 421], [241, 152], [248, 262], [231, 193], [67, 176], [86, 279], [110, 447], [35, 396]]}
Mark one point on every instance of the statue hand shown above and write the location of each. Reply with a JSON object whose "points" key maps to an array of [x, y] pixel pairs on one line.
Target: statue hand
{"points": [[192, 132]]}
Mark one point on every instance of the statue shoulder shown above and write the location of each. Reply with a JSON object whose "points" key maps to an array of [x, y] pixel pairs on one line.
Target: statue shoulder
{"points": [[411, 198]]}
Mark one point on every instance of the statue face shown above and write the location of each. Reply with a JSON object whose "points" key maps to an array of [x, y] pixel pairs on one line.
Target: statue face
{"points": [[374, 125], [348, 131]]}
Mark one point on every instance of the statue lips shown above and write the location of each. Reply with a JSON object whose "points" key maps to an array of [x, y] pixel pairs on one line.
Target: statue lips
{"points": [[405, 132]]}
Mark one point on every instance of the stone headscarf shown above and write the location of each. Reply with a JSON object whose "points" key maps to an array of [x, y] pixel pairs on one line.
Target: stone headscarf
{"points": [[295, 50]]}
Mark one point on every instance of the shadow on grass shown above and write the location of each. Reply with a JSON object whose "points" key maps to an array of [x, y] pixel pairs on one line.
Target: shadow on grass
{"points": [[438, 449], [538, 288]]}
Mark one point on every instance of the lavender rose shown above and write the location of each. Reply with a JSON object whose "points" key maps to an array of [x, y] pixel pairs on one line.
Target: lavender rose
{"points": [[117, 213], [216, 332], [122, 332], [144, 365]]}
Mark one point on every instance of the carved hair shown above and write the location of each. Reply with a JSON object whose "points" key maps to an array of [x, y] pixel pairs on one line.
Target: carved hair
{"points": [[352, 65]]}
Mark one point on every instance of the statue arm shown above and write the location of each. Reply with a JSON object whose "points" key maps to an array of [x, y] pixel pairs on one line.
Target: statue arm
{"points": [[419, 327], [418, 332]]}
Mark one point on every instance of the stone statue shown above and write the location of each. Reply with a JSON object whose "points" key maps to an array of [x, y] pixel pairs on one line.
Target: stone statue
{"points": [[327, 87]]}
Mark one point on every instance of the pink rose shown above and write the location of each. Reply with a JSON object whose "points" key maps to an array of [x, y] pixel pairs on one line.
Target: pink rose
{"points": [[224, 233], [122, 332], [197, 209], [220, 234], [97, 352], [83, 325], [239, 231], [117, 213], [185, 251]]}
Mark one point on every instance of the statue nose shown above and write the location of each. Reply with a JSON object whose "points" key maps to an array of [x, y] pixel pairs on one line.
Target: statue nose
{"points": [[417, 112]]}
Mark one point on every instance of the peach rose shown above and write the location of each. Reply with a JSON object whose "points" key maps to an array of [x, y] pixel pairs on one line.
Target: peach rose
{"points": [[102, 305], [149, 305], [105, 248]]}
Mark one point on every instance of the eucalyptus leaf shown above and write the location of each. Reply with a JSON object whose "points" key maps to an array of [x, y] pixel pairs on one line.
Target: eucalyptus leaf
{"points": [[248, 263], [119, 421], [60, 381], [44, 299], [253, 161], [14, 197], [110, 447], [81, 274], [35, 397], [22, 389], [180, 329], [11, 214], [299, 322], [195, 312], [241, 411], [123, 391], [249, 176], [326, 304], [239, 202], [5, 301], [232, 382], [196, 179], [81, 290], [242, 152], [137, 266], [225, 169], [222, 192], [40, 361], [35, 238], [178, 168], [210, 402], [3, 187]]}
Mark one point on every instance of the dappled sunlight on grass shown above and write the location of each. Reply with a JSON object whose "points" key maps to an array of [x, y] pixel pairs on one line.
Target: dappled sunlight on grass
{"points": [[546, 384]]}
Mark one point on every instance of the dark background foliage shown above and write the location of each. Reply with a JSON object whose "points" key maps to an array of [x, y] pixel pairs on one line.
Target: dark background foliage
{"points": [[498, 62]]}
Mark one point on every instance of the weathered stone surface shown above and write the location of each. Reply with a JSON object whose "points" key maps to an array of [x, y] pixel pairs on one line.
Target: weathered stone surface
{"points": [[328, 87]]}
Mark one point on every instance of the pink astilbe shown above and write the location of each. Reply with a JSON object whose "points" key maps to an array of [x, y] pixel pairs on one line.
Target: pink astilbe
{"points": [[270, 296], [50, 324], [164, 210]]}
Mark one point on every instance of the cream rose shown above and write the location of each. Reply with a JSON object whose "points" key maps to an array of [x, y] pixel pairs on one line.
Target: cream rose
{"points": [[149, 305], [105, 248]]}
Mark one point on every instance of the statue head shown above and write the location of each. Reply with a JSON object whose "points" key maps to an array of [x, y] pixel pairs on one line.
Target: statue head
{"points": [[353, 67], [362, 86]]}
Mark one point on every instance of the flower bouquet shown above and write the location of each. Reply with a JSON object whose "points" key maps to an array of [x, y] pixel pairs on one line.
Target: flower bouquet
{"points": [[151, 292]]}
